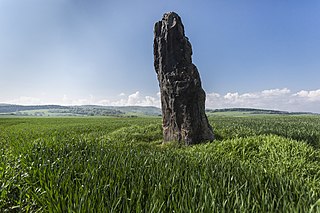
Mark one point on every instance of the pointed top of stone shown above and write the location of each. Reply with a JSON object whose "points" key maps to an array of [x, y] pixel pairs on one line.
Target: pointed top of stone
{"points": [[170, 14], [171, 19]]}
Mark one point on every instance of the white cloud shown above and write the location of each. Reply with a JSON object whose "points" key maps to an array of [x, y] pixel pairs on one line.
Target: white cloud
{"points": [[231, 96], [65, 98], [309, 95], [302, 93], [136, 99], [213, 95], [104, 102], [133, 99], [26, 101], [275, 92], [279, 99]]}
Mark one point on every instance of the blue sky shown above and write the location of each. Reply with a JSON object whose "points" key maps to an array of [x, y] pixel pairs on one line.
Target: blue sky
{"points": [[249, 53]]}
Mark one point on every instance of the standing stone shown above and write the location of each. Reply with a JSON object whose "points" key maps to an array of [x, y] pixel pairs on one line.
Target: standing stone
{"points": [[182, 97]]}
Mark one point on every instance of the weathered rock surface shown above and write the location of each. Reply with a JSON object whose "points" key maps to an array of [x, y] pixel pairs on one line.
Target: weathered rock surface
{"points": [[182, 97]]}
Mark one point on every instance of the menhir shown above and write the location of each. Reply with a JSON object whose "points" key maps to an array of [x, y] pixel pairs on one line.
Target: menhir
{"points": [[182, 97]]}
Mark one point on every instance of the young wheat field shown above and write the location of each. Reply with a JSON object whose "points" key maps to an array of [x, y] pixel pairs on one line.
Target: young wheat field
{"points": [[103, 164]]}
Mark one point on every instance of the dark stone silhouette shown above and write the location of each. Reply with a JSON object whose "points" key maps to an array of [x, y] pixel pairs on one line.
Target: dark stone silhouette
{"points": [[182, 97]]}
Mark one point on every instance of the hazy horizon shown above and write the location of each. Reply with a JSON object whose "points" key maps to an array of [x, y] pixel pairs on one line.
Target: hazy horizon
{"points": [[249, 54]]}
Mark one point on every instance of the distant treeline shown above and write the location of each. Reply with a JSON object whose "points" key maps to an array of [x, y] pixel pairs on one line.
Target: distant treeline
{"points": [[91, 111], [7, 108]]}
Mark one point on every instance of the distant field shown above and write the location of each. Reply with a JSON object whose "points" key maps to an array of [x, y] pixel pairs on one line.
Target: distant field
{"points": [[229, 113], [84, 110], [121, 111], [84, 164]]}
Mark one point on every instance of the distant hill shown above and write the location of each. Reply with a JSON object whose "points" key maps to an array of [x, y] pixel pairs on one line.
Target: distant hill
{"points": [[96, 110], [146, 110], [255, 111], [5, 108], [85, 110], [5, 104]]}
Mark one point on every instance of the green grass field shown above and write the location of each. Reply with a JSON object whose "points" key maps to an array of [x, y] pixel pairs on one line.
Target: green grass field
{"points": [[104, 164]]}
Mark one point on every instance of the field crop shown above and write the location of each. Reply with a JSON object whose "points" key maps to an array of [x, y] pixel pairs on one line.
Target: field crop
{"points": [[256, 164]]}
